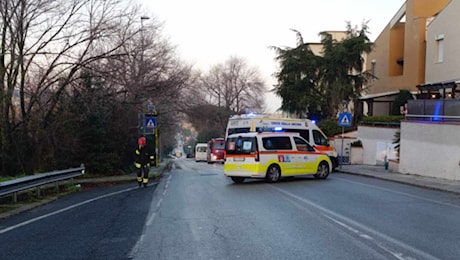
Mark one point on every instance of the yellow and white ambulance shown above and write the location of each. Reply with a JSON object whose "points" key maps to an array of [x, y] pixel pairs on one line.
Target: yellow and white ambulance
{"points": [[271, 156], [307, 129]]}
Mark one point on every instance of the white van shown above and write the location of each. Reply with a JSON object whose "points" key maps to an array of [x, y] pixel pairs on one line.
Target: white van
{"points": [[271, 156], [201, 152], [306, 128]]}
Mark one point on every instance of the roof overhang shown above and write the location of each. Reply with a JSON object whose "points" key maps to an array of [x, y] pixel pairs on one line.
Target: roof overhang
{"points": [[378, 95], [439, 85], [398, 16]]}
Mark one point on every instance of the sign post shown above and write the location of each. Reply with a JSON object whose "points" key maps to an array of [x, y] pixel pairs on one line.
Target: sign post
{"points": [[344, 120], [150, 128]]}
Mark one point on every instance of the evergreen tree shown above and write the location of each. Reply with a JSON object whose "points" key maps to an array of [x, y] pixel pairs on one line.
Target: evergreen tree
{"points": [[317, 84]]}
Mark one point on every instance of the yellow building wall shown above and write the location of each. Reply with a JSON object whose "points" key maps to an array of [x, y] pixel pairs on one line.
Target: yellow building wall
{"points": [[406, 40], [396, 50]]}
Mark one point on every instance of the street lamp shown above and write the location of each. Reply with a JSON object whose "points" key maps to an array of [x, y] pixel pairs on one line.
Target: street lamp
{"points": [[141, 64], [142, 32]]}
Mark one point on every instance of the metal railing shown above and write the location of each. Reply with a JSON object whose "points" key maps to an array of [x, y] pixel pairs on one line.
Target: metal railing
{"points": [[434, 110], [38, 180]]}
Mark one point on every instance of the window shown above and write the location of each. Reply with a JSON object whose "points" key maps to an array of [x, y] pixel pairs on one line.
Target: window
{"points": [[237, 130], [319, 138], [440, 48], [303, 133], [219, 145], [201, 149], [277, 143], [241, 145], [374, 62], [302, 145]]}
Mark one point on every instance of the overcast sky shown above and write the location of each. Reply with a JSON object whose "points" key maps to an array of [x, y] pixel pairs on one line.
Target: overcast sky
{"points": [[208, 32]]}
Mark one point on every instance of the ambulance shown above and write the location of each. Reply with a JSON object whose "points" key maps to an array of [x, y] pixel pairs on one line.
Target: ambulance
{"points": [[262, 123], [272, 156]]}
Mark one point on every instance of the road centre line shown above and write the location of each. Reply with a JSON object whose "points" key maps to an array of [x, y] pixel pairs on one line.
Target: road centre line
{"points": [[401, 193], [150, 219], [365, 230], [63, 210], [367, 237]]}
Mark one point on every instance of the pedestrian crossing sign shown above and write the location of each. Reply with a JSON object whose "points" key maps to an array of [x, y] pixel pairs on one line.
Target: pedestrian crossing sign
{"points": [[345, 119], [150, 122]]}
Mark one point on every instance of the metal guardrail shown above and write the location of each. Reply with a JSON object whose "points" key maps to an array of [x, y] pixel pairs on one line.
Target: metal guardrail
{"points": [[37, 180]]}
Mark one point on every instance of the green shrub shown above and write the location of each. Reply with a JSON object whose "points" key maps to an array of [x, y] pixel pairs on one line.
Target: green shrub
{"points": [[393, 121], [357, 143], [331, 127]]}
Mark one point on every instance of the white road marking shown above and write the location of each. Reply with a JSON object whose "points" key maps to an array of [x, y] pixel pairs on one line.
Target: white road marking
{"points": [[366, 232], [62, 210], [150, 219]]}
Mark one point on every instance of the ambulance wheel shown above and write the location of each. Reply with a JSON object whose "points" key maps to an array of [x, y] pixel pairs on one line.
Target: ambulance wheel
{"points": [[273, 174], [323, 170], [237, 179]]}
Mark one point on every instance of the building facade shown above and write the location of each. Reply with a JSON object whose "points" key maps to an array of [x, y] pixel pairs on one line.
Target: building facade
{"points": [[442, 52], [399, 55]]}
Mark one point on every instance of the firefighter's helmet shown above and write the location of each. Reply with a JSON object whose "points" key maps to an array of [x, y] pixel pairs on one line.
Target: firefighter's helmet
{"points": [[141, 141]]}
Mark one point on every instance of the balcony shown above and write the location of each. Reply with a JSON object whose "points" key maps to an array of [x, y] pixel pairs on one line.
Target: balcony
{"points": [[446, 110]]}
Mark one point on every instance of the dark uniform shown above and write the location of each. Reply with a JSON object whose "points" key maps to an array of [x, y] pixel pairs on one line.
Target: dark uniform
{"points": [[144, 157]]}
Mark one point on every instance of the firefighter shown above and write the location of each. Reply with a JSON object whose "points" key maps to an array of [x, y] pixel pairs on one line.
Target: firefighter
{"points": [[144, 157]]}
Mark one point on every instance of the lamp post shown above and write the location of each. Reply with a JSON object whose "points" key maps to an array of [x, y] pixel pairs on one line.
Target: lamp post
{"points": [[142, 37]]}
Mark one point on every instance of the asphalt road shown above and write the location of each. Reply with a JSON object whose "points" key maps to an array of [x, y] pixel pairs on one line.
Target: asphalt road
{"points": [[197, 213], [101, 223], [203, 215]]}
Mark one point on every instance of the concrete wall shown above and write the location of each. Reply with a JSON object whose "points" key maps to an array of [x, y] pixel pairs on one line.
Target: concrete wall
{"points": [[430, 149], [377, 143]]}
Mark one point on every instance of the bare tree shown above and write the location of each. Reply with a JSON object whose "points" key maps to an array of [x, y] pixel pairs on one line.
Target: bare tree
{"points": [[45, 44], [235, 86]]}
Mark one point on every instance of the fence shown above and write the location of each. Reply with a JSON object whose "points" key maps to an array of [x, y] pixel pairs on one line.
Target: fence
{"points": [[434, 110], [38, 180]]}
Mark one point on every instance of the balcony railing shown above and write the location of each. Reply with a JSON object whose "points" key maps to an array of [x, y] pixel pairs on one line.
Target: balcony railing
{"points": [[434, 110]]}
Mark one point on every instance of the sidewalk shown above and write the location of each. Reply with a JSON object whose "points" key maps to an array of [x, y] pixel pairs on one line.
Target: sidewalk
{"points": [[379, 172]]}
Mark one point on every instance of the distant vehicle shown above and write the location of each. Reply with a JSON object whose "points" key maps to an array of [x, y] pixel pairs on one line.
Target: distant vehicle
{"points": [[271, 156], [216, 150], [307, 129], [201, 150]]}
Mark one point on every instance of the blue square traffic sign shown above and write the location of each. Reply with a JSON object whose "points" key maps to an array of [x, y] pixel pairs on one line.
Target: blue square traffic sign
{"points": [[345, 119], [150, 122]]}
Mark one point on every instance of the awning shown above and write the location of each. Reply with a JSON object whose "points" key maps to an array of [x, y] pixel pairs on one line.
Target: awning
{"points": [[438, 85]]}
